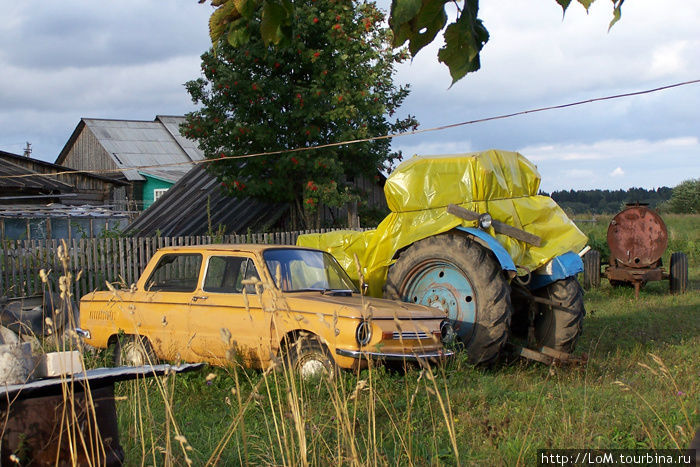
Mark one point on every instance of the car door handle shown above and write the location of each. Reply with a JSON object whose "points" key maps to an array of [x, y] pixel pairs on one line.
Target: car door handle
{"points": [[203, 297]]}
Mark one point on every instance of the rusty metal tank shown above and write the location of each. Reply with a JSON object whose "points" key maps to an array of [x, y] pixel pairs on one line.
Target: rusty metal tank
{"points": [[637, 238]]}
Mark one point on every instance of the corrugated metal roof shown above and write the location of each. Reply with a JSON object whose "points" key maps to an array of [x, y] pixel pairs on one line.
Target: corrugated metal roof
{"points": [[38, 183], [185, 209], [172, 124], [44, 165], [172, 175], [138, 143]]}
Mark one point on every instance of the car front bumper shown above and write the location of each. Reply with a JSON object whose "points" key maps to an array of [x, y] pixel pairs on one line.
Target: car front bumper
{"points": [[412, 357]]}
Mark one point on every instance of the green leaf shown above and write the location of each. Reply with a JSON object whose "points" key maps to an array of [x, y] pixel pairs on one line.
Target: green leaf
{"points": [[617, 12], [586, 3], [430, 20], [403, 11], [273, 17], [218, 21], [464, 40], [246, 7], [238, 36], [564, 4], [421, 28]]}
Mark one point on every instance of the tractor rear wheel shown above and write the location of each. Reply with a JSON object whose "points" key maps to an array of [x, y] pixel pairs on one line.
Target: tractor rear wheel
{"points": [[556, 327], [453, 273]]}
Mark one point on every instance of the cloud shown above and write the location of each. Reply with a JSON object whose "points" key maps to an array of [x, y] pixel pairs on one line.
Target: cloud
{"points": [[129, 59], [86, 34], [610, 149], [564, 166], [433, 148], [578, 173]]}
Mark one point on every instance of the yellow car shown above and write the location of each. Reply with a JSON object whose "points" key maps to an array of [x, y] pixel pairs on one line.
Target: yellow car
{"points": [[255, 304]]}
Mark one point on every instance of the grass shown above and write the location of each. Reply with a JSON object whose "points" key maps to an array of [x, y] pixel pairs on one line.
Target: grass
{"points": [[638, 390]]}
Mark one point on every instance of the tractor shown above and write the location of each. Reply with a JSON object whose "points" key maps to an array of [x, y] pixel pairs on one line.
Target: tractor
{"points": [[469, 234]]}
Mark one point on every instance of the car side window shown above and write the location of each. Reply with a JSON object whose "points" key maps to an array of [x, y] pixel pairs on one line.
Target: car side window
{"points": [[175, 272], [226, 274], [251, 277]]}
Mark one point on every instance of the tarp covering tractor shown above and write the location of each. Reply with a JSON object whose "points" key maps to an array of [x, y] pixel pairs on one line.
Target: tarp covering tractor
{"points": [[469, 234]]}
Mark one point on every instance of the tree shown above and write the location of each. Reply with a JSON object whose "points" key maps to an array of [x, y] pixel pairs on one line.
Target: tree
{"points": [[686, 197], [332, 81], [414, 21]]}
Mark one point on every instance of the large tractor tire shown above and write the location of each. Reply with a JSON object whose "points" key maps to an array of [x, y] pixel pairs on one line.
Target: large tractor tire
{"points": [[678, 278], [556, 327], [591, 270], [458, 275]]}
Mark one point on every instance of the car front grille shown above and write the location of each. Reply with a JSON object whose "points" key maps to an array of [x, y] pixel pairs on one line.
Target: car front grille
{"points": [[406, 335]]}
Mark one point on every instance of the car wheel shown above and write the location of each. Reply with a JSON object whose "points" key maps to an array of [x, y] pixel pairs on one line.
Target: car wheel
{"points": [[133, 351], [453, 273], [309, 358]]}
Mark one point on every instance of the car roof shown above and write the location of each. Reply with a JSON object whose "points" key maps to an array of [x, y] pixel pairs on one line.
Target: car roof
{"points": [[230, 247]]}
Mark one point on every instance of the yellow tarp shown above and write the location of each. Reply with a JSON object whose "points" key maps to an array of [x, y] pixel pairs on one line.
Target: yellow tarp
{"points": [[502, 183]]}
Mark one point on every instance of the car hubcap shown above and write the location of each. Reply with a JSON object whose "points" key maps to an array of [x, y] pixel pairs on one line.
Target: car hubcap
{"points": [[443, 286], [312, 369], [134, 357]]}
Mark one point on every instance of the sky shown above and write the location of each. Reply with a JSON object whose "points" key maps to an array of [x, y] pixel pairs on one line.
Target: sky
{"points": [[129, 59]]}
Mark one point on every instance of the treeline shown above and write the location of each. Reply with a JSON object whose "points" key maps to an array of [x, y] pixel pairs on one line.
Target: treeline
{"points": [[608, 201]]}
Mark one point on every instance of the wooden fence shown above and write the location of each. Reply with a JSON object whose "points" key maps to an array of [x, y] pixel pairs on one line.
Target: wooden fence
{"points": [[92, 261]]}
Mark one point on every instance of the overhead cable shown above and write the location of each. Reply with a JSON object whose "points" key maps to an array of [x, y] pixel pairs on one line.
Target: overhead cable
{"points": [[365, 140]]}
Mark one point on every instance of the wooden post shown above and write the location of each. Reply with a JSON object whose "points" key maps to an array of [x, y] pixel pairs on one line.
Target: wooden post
{"points": [[353, 218]]}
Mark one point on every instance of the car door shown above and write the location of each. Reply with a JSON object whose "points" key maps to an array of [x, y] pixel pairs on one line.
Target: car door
{"points": [[161, 310], [226, 315]]}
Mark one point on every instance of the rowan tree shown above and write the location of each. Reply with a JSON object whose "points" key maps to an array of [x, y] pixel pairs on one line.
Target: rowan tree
{"points": [[330, 80]]}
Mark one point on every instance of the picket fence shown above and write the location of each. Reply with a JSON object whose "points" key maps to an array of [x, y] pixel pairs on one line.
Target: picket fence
{"points": [[94, 261]]}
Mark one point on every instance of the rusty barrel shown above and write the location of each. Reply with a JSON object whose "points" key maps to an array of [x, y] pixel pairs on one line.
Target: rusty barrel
{"points": [[637, 237]]}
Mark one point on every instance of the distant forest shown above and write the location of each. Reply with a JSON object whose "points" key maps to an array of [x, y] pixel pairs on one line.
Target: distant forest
{"points": [[607, 201]]}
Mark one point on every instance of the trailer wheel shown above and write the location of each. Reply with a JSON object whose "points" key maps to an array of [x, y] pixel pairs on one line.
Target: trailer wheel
{"points": [[591, 270], [555, 327], [453, 273], [678, 280]]}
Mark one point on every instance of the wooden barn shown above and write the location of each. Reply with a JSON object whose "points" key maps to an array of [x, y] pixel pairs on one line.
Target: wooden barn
{"points": [[150, 156], [49, 185]]}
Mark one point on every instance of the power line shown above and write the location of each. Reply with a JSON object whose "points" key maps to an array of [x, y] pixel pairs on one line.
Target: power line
{"points": [[373, 138]]}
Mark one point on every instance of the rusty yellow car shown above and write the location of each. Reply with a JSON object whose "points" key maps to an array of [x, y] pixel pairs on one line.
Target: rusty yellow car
{"points": [[257, 304]]}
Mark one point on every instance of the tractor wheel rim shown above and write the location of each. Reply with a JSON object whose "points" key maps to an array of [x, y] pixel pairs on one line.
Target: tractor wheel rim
{"points": [[444, 286]]}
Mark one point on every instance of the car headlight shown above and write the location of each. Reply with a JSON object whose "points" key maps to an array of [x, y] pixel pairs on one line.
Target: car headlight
{"points": [[363, 334], [485, 221], [447, 332]]}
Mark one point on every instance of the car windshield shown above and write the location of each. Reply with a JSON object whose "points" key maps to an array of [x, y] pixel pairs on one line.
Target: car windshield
{"points": [[296, 270]]}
